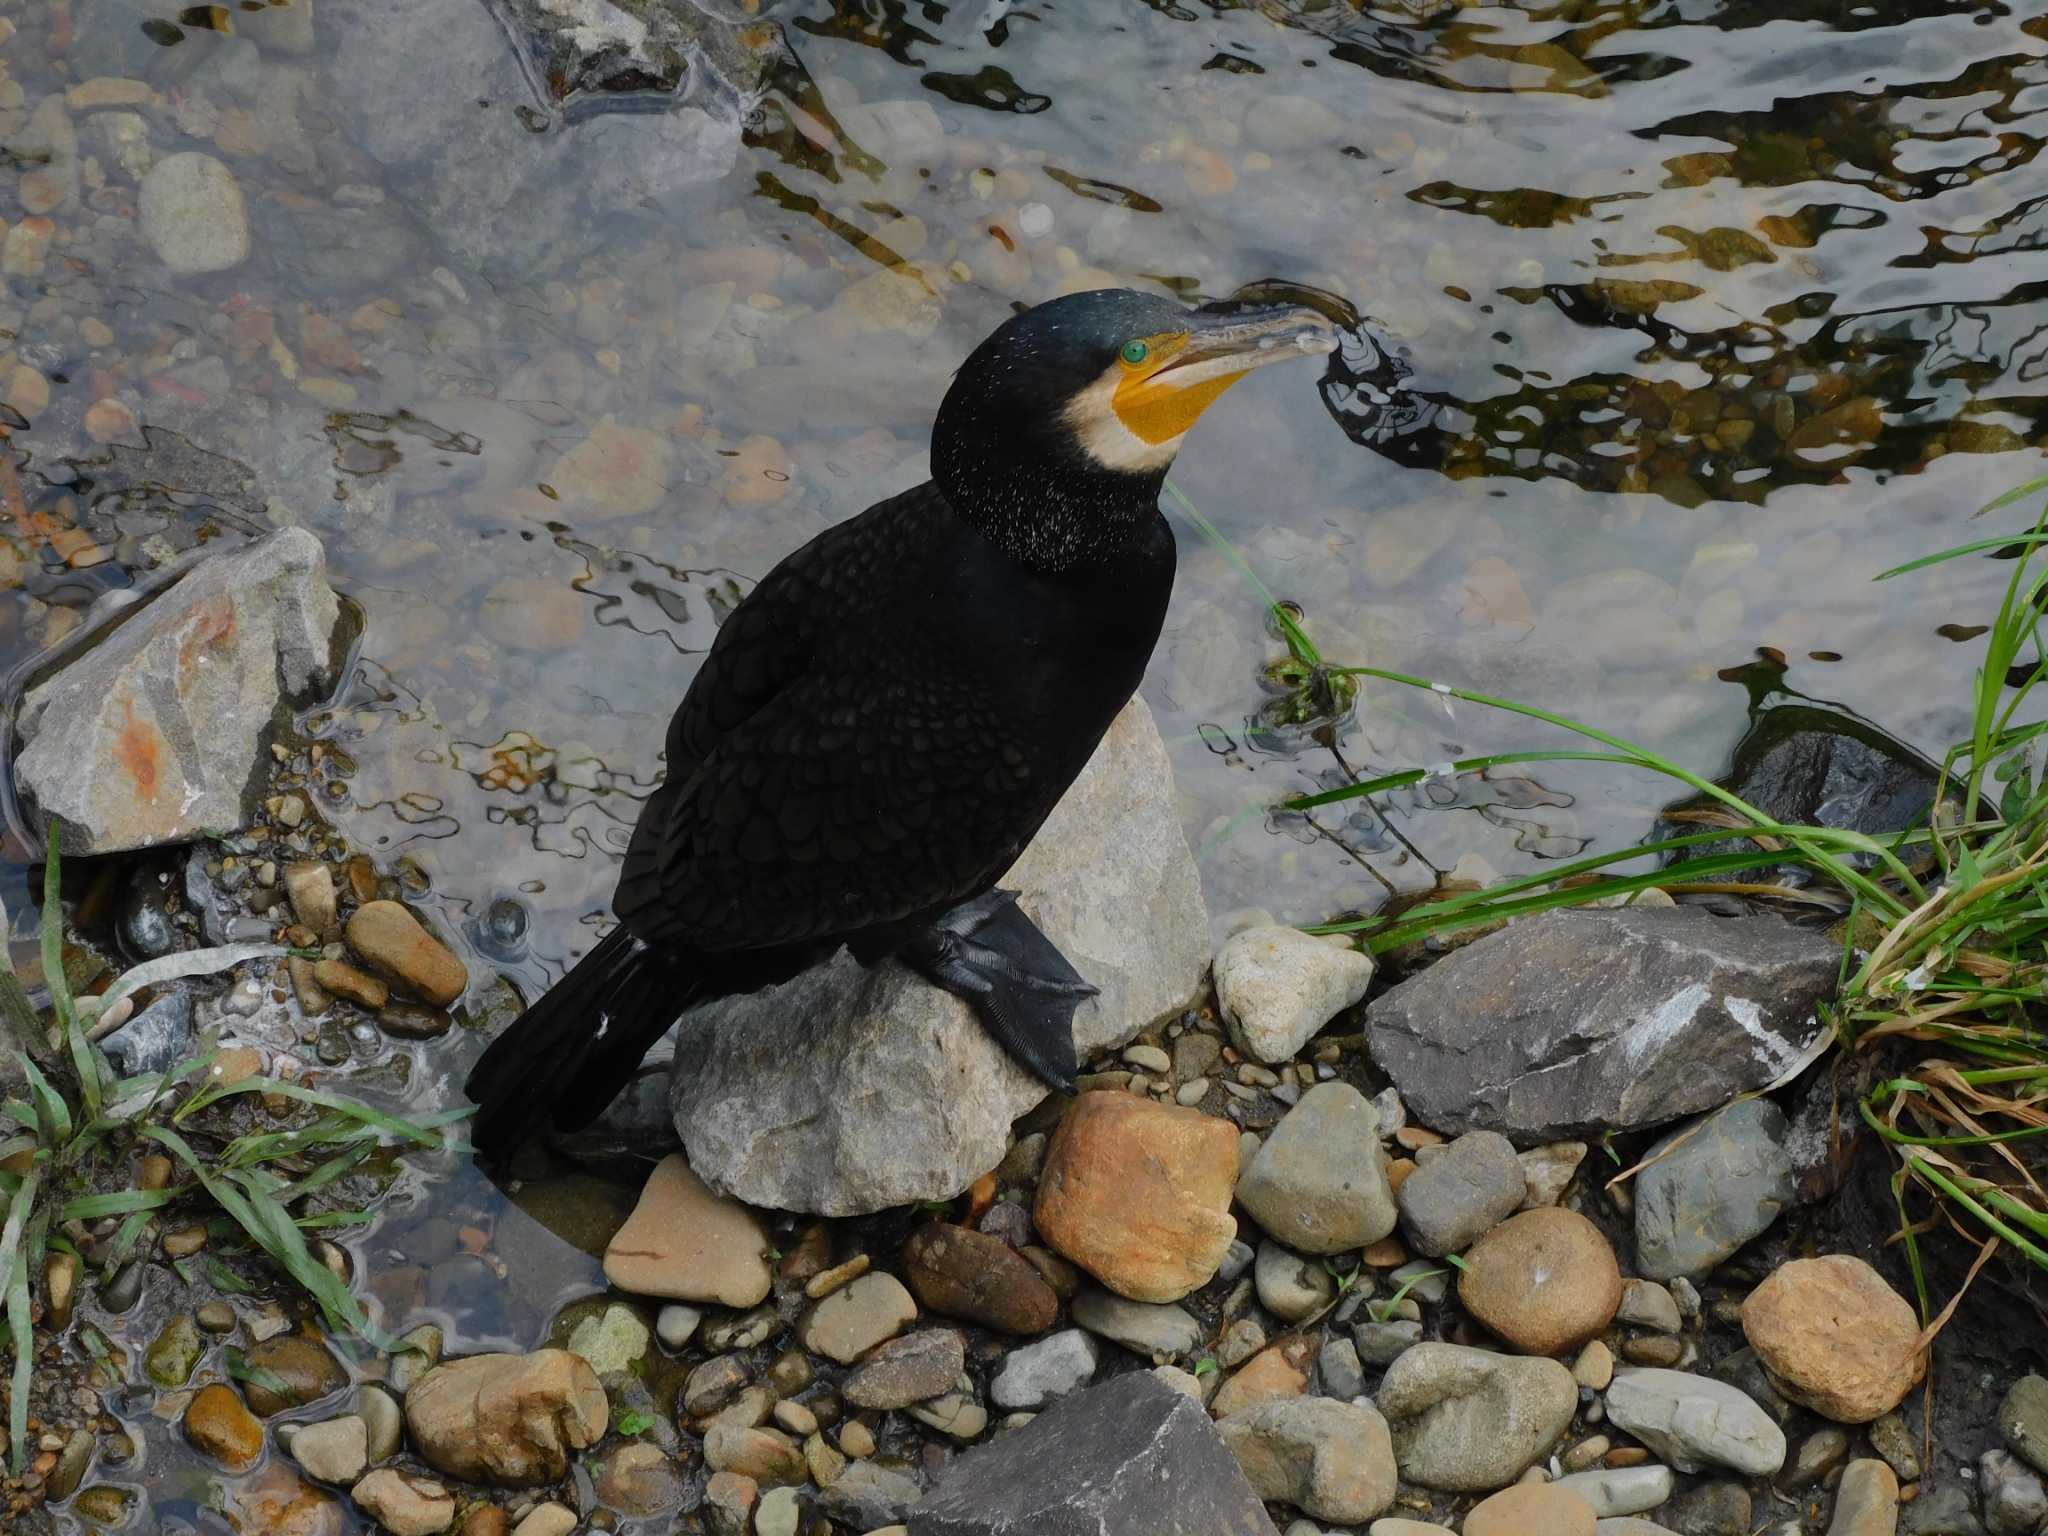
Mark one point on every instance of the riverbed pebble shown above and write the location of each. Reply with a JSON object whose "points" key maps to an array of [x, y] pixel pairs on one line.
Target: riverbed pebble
{"points": [[1835, 1337], [1318, 1183], [688, 1244], [1545, 1280], [1138, 1194], [193, 215], [1328, 1459]]}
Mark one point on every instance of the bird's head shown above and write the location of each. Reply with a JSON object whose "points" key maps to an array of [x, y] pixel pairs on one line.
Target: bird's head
{"points": [[1059, 428]]}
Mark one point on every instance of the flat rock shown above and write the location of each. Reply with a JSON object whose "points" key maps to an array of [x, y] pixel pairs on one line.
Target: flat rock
{"points": [[404, 1503], [1467, 1420], [1138, 1194], [1545, 1280], [1696, 1422], [506, 1419], [1318, 1183], [855, 1318], [1131, 1457], [687, 1244], [1614, 1491], [1276, 986], [1450, 1201], [1710, 1187], [1835, 1337], [907, 1370], [398, 946], [1156, 1330], [869, 1496], [1328, 1459], [161, 733], [846, 1091], [1571, 1024], [1053, 1367], [1531, 1509]]}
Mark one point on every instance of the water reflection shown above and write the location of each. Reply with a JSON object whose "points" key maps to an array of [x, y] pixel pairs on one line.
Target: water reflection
{"points": [[1709, 310]]}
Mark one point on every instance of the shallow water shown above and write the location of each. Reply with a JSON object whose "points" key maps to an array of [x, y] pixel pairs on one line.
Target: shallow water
{"points": [[1724, 309]]}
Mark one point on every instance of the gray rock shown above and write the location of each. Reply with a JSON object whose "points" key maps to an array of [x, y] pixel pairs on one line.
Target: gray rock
{"points": [[1893, 1439], [868, 1496], [161, 733], [1150, 1329], [192, 214], [674, 1324], [1718, 1508], [383, 1422], [156, 1039], [1468, 1188], [846, 1091], [2023, 1420], [1053, 1367], [1695, 1422], [1942, 1509], [1290, 1286], [1384, 1343], [1276, 986], [1710, 1187], [1818, 1455], [1318, 1183], [1746, 1374], [2014, 1500], [1646, 1304], [1131, 1457], [1629, 1525], [1621, 1490], [1338, 1365], [1574, 1023], [1328, 1459], [1467, 1421]]}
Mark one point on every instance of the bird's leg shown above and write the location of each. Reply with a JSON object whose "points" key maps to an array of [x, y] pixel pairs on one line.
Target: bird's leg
{"points": [[990, 955]]}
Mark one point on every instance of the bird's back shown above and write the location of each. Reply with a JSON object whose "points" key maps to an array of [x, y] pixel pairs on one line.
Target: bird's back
{"points": [[878, 730]]}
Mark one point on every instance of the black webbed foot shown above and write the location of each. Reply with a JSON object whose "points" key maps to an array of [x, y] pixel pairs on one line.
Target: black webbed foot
{"points": [[989, 954]]}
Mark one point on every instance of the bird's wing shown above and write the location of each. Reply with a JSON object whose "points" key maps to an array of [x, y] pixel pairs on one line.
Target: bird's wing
{"points": [[856, 797], [832, 766]]}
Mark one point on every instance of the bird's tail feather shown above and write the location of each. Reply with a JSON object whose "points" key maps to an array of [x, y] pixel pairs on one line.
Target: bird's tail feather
{"points": [[564, 1059]]}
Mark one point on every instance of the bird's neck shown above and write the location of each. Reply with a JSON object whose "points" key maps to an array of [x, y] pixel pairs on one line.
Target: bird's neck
{"points": [[1052, 516]]}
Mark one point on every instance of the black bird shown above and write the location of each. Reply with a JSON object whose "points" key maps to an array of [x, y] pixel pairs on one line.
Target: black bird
{"points": [[883, 724]]}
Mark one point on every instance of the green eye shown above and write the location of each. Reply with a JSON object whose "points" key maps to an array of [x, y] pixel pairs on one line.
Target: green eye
{"points": [[1135, 352]]}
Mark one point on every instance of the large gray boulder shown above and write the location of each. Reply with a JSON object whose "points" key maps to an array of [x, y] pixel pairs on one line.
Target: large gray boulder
{"points": [[846, 1090], [161, 732], [1131, 1457], [1571, 1024]]}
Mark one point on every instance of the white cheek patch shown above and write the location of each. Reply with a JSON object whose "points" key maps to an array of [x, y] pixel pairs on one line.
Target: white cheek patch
{"points": [[1104, 437]]}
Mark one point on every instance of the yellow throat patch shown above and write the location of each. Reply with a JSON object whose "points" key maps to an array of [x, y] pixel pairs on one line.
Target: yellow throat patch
{"points": [[1155, 409]]}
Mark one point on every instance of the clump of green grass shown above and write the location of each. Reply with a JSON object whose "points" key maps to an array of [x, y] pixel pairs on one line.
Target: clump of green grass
{"points": [[71, 1139], [1953, 960]]}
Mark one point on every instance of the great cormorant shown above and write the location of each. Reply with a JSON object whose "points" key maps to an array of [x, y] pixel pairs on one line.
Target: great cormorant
{"points": [[882, 725]]}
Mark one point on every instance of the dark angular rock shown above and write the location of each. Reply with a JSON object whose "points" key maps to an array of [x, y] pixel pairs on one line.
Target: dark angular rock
{"points": [[1131, 1457], [1574, 1023], [156, 1039], [868, 1496]]}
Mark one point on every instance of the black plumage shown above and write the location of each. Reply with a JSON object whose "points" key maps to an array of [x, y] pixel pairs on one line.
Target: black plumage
{"points": [[882, 725]]}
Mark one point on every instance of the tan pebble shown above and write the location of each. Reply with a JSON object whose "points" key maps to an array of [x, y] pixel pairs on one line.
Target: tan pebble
{"points": [[1387, 1253], [96, 332], [1415, 1136], [28, 391], [856, 1439], [108, 421], [344, 980], [108, 91], [1627, 1456], [823, 1285], [40, 192], [1595, 1366]]}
